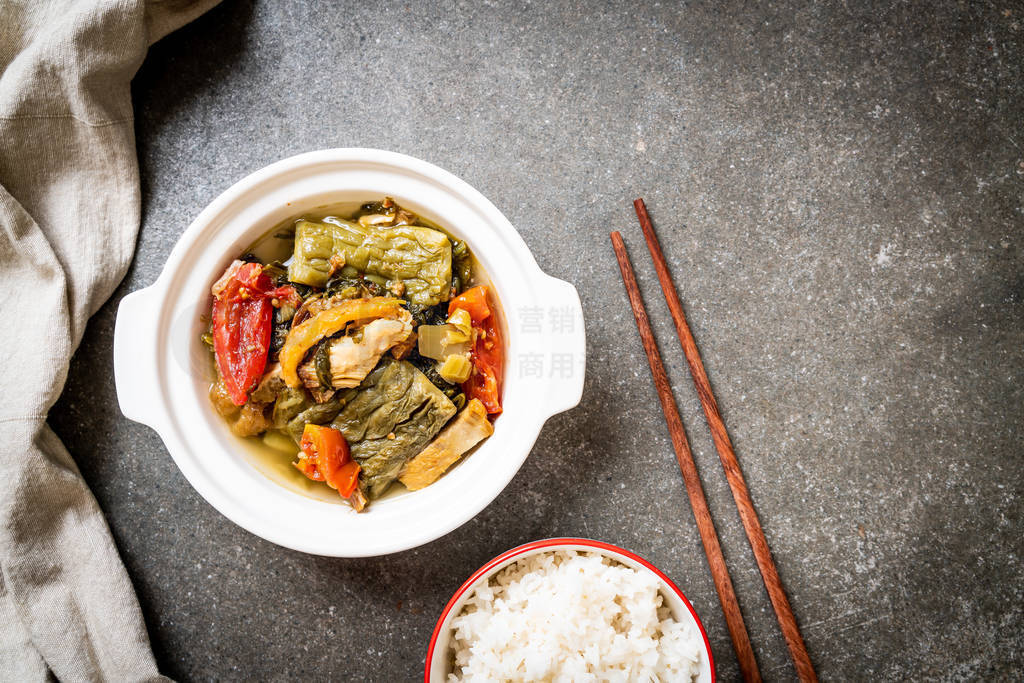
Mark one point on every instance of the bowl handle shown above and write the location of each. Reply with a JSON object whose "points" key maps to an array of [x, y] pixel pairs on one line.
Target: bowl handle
{"points": [[568, 342], [135, 368]]}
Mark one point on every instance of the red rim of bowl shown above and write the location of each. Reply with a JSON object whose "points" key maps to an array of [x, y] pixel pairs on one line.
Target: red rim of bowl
{"points": [[547, 543]]}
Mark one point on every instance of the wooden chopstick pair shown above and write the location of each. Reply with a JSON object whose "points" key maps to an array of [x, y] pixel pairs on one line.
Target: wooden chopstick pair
{"points": [[705, 526]]}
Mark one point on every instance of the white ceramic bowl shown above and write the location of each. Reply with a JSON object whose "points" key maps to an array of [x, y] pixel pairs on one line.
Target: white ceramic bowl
{"points": [[438, 662], [161, 367]]}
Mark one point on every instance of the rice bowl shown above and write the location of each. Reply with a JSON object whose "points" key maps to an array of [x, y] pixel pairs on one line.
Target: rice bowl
{"points": [[569, 609]]}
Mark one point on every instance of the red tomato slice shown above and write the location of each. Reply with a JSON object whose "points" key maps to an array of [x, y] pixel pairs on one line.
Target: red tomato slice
{"points": [[308, 467], [326, 457], [348, 478], [488, 353], [242, 317], [287, 294], [474, 302]]}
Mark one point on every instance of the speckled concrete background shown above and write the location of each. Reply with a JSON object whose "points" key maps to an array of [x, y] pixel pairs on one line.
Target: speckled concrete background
{"points": [[839, 191]]}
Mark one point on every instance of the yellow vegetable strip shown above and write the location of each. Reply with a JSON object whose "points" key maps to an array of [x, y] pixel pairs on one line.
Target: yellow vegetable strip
{"points": [[308, 333], [466, 430]]}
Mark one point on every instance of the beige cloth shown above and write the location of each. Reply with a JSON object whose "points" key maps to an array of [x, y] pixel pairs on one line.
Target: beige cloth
{"points": [[69, 214]]}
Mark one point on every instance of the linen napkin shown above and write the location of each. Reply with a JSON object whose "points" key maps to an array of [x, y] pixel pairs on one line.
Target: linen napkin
{"points": [[69, 215]]}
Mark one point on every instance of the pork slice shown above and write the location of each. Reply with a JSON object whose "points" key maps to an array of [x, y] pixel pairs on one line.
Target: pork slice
{"points": [[354, 356]]}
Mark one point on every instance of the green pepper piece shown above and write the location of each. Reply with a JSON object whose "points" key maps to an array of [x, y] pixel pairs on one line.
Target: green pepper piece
{"points": [[393, 417], [421, 258]]}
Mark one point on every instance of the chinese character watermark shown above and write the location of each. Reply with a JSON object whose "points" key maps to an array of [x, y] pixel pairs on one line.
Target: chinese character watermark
{"points": [[562, 319], [562, 365], [531, 319], [531, 365]]}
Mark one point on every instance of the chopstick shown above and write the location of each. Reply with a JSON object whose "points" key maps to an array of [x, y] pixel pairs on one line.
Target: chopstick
{"points": [[733, 473], [701, 513]]}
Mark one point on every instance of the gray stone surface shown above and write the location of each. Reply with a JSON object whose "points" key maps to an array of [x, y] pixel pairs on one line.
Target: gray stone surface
{"points": [[839, 191]]}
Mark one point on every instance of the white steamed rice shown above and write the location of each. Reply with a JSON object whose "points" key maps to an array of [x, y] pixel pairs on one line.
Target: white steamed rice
{"points": [[567, 616]]}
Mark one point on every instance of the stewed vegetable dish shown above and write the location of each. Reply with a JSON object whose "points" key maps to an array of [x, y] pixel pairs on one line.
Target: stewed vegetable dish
{"points": [[371, 354]]}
